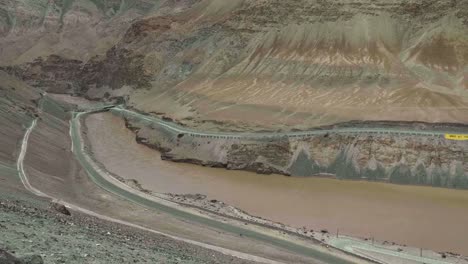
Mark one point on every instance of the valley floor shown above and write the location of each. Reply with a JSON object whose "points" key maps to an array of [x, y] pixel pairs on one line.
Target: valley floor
{"points": [[307, 203], [56, 164], [53, 170]]}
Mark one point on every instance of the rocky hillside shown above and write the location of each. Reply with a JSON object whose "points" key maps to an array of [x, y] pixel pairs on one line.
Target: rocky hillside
{"points": [[401, 159], [18, 103], [34, 232], [250, 63], [73, 29]]}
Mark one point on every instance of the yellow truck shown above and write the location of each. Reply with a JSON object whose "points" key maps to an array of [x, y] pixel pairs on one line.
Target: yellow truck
{"points": [[456, 136]]}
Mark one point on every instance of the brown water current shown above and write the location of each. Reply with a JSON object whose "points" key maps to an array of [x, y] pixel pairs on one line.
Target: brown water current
{"points": [[432, 218]]}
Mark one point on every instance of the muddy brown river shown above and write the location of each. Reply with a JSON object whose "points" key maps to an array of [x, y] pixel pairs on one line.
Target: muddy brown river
{"points": [[432, 218]]}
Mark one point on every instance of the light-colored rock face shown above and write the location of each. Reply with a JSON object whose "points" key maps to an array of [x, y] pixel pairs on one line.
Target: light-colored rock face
{"points": [[268, 64]]}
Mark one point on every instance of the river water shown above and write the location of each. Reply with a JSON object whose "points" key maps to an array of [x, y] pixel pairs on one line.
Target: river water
{"points": [[425, 217]]}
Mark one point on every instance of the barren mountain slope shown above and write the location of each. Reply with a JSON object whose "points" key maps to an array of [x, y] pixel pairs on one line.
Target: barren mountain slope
{"points": [[271, 63], [73, 29], [17, 109]]}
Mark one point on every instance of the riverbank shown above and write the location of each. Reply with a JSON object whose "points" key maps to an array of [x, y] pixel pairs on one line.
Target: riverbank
{"points": [[72, 180], [421, 155], [139, 166]]}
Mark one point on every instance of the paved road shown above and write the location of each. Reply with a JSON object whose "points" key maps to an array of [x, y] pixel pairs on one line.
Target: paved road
{"points": [[98, 179], [25, 181], [271, 135], [95, 175], [326, 258], [358, 247]]}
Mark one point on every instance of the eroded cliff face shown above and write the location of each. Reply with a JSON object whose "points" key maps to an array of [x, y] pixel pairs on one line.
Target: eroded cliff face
{"points": [[256, 64], [402, 159]]}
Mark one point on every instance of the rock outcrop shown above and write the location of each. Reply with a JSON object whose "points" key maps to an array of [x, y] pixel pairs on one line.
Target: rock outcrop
{"points": [[60, 208], [7, 258], [401, 159]]}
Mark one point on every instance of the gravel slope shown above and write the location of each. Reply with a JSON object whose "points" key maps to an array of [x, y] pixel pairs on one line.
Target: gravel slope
{"points": [[29, 226]]}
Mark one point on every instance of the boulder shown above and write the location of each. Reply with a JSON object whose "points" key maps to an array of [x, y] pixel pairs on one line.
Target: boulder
{"points": [[32, 259], [7, 258], [60, 208]]}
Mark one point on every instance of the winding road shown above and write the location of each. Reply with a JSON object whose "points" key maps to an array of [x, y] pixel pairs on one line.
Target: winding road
{"points": [[27, 185], [343, 244], [366, 249], [98, 176], [272, 135]]}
